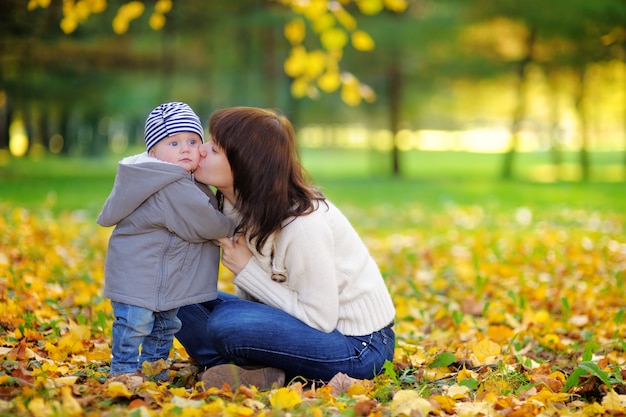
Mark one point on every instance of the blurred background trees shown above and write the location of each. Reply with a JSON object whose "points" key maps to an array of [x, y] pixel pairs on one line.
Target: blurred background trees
{"points": [[465, 75]]}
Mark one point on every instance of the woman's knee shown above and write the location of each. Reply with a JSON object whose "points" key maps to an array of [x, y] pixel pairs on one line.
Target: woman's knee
{"points": [[241, 317]]}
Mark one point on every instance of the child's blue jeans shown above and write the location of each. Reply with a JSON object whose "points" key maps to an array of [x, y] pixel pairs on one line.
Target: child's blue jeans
{"points": [[135, 326]]}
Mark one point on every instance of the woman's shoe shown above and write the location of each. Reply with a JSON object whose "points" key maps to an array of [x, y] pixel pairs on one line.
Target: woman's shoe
{"points": [[261, 377]]}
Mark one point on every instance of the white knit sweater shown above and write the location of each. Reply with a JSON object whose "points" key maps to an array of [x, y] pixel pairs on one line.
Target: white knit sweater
{"points": [[331, 283]]}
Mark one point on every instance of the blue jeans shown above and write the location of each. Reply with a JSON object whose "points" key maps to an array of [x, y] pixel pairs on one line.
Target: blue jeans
{"points": [[135, 326], [231, 330]]}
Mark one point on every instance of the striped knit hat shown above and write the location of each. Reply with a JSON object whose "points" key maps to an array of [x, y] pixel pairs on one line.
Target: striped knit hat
{"points": [[167, 120]]}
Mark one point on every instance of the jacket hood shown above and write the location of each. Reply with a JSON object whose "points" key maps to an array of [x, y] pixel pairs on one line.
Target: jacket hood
{"points": [[138, 177]]}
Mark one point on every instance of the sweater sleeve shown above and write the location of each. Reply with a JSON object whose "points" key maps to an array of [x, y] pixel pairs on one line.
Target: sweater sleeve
{"points": [[310, 292], [190, 214]]}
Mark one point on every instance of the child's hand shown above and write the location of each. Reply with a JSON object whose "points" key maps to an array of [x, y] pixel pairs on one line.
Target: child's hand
{"points": [[235, 253]]}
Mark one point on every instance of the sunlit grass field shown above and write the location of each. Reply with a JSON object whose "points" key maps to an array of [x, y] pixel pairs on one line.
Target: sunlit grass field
{"points": [[358, 178]]}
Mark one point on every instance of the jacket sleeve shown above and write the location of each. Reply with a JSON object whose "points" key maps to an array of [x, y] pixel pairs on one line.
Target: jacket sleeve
{"points": [[188, 212], [310, 292]]}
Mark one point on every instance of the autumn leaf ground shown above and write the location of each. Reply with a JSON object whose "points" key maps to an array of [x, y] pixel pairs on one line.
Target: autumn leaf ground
{"points": [[502, 311]]}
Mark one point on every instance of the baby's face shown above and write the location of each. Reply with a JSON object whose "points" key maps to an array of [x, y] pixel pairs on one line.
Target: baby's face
{"points": [[181, 149]]}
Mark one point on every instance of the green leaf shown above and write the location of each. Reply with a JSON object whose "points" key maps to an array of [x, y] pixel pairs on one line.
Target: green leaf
{"points": [[586, 368], [595, 370], [442, 360], [470, 383], [566, 307], [619, 316], [572, 381], [390, 372]]}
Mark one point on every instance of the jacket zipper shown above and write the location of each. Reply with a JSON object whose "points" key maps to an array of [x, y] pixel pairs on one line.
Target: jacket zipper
{"points": [[163, 272]]}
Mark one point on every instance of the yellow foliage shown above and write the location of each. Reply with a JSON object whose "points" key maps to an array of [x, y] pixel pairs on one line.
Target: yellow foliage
{"points": [[362, 41], [285, 398], [151, 369], [499, 332], [329, 81], [315, 64], [125, 14], [299, 87], [33, 4], [407, 402], [295, 64], [370, 7], [396, 5], [323, 15], [295, 31], [552, 341], [323, 23], [358, 389], [333, 39], [345, 18], [350, 93], [65, 381], [69, 24], [163, 6], [594, 409], [546, 396], [77, 12], [117, 389], [131, 10], [97, 6], [312, 9], [214, 408], [486, 352], [56, 325], [458, 392], [466, 374], [39, 408], [614, 402], [71, 407], [235, 410], [445, 402], [157, 21]]}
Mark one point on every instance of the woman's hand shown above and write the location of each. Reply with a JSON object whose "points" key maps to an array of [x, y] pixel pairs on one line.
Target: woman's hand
{"points": [[235, 253]]}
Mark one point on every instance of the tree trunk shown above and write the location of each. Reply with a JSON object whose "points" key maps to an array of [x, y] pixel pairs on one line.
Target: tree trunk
{"points": [[624, 98], [5, 121], [271, 72], [555, 133], [520, 107], [585, 168], [168, 64], [394, 78]]}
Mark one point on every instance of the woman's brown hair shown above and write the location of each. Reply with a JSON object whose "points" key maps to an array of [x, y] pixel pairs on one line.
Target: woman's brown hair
{"points": [[269, 180]]}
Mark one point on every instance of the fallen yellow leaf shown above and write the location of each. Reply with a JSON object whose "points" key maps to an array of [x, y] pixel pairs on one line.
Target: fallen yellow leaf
{"points": [[405, 402], [613, 401], [71, 407], [39, 407], [285, 398], [117, 389], [486, 352], [457, 391], [65, 381]]}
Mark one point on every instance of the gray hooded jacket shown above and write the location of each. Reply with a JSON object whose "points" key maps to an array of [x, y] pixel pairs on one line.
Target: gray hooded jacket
{"points": [[160, 254]]}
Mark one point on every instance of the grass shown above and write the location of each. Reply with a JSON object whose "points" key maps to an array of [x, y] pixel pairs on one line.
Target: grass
{"points": [[430, 181]]}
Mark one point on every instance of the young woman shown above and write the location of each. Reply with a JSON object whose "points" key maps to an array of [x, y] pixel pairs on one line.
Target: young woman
{"points": [[311, 301]]}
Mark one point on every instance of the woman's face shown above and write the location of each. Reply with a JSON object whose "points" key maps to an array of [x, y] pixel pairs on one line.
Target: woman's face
{"points": [[214, 168]]}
